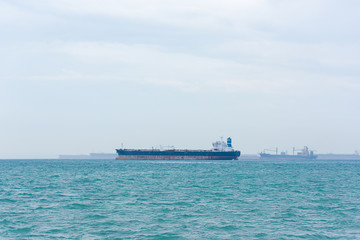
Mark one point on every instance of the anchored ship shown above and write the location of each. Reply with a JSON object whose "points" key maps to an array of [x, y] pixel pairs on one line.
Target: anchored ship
{"points": [[304, 153], [220, 151]]}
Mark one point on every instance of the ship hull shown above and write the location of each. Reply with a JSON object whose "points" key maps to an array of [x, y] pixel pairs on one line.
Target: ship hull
{"points": [[286, 157], [175, 155]]}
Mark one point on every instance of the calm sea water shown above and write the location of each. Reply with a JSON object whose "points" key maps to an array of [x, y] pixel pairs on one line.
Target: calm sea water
{"points": [[109, 199]]}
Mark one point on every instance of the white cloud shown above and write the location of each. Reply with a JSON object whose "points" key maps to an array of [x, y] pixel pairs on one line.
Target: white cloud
{"points": [[160, 10], [254, 61], [148, 64], [10, 13], [235, 16], [227, 15], [291, 54]]}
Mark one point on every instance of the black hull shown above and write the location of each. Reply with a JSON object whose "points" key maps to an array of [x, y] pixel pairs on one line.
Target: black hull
{"points": [[125, 154]]}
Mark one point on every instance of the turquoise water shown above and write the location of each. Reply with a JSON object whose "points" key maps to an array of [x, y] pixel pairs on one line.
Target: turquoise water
{"points": [[97, 199]]}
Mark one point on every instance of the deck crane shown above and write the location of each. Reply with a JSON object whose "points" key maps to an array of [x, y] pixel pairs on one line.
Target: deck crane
{"points": [[272, 150]]}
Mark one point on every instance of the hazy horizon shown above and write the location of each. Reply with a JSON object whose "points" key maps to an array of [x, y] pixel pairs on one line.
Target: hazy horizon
{"points": [[87, 76]]}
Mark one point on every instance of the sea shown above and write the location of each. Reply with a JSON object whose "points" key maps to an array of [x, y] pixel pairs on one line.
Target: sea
{"points": [[245, 199]]}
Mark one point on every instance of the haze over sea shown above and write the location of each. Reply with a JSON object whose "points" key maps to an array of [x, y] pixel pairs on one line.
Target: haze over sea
{"points": [[92, 199]]}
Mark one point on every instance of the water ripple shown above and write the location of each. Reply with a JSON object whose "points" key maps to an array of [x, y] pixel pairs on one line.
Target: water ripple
{"points": [[90, 199]]}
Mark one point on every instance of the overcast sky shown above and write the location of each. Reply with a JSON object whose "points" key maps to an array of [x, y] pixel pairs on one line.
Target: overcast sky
{"points": [[89, 75]]}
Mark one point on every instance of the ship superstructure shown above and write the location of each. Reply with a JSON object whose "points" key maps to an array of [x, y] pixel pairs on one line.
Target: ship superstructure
{"points": [[220, 151]]}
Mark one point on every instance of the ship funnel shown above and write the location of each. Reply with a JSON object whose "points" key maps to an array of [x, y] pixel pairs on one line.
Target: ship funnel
{"points": [[229, 142]]}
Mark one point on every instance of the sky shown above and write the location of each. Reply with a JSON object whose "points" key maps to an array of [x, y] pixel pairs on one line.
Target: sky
{"points": [[88, 75]]}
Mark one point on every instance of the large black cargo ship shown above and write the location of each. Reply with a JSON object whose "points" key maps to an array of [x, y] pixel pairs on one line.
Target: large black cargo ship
{"points": [[220, 151]]}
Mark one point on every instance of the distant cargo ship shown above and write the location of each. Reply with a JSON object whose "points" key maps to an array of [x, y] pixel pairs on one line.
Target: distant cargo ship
{"points": [[90, 156], [304, 153], [220, 151]]}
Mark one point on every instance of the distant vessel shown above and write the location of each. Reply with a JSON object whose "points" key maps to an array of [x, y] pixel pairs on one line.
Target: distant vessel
{"points": [[220, 151], [90, 156], [337, 156], [304, 153]]}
